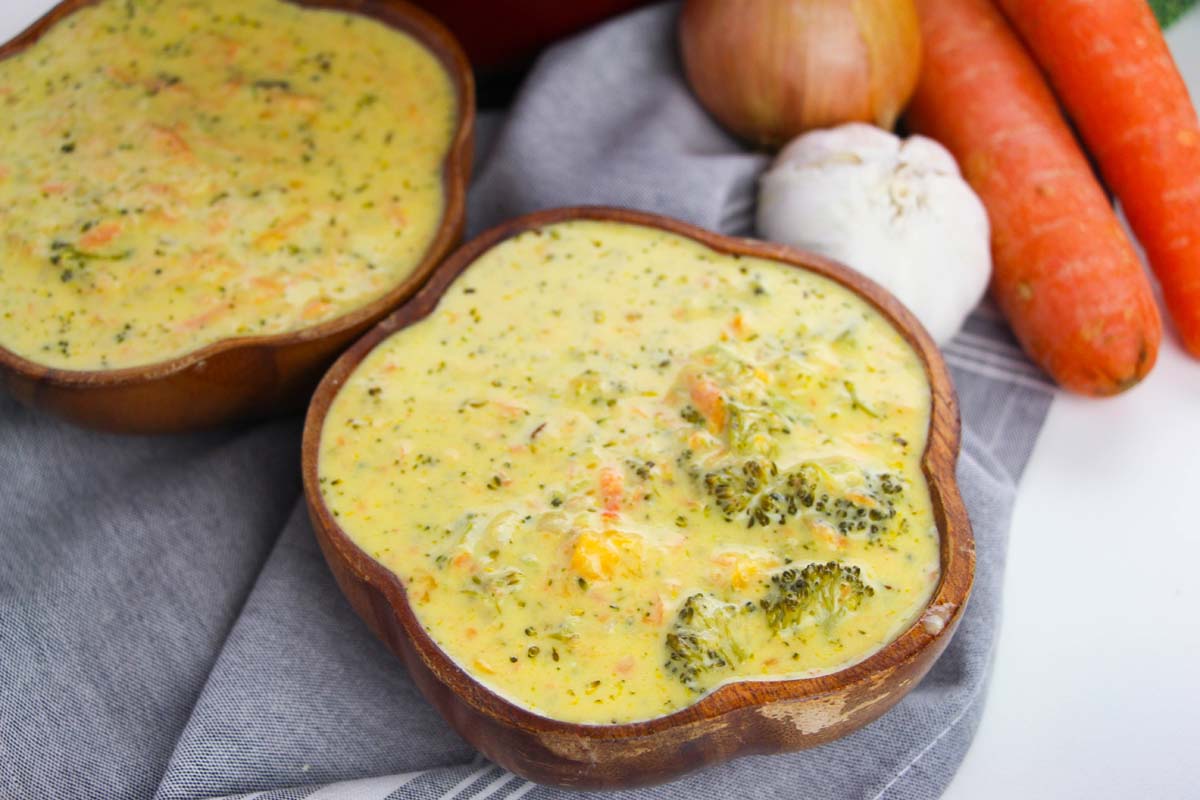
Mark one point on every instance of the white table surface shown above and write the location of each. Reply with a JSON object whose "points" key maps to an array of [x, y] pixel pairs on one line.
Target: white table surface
{"points": [[1094, 692]]}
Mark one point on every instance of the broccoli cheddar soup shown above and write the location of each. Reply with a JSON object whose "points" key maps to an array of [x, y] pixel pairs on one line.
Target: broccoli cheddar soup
{"points": [[615, 469], [178, 172]]}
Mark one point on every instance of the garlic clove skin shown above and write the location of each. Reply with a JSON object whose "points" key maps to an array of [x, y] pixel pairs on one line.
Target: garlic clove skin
{"points": [[898, 211]]}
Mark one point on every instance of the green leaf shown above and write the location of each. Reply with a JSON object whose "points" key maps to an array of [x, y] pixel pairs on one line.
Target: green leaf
{"points": [[1168, 11]]}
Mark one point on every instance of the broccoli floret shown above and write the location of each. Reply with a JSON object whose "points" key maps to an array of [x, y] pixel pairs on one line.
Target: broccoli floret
{"points": [[866, 508], [756, 487], [748, 487], [754, 429], [704, 639], [710, 638], [751, 417], [820, 593], [751, 430]]}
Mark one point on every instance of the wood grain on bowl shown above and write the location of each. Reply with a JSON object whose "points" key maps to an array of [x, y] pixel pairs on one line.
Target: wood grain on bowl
{"points": [[739, 718], [268, 364]]}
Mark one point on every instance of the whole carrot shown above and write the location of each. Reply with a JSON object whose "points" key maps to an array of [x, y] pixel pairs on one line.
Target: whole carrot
{"points": [[1065, 274], [1113, 72]]}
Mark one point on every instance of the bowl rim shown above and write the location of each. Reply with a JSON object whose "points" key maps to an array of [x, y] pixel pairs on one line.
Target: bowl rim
{"points": [[399, 15], [956, 542]]}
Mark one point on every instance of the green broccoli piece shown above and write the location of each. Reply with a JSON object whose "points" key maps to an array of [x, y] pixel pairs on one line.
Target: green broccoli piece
{"points": [[704, 639], [757, 489], [747, 487], [818, 593], [754, 429], [866, 508], [754, 416], [710, 638]]}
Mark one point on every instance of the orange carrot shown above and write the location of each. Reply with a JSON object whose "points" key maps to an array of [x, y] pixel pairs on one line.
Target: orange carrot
{"points": [[100, 235], [170, 140], [706, 395], [612, 490], [656, 613], [314, 308], [1113, 72], [1065, 274], [202, 319]]}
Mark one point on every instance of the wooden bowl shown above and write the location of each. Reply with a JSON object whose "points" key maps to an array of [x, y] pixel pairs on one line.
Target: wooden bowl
{"points": [[738, 718], [254, 376]]}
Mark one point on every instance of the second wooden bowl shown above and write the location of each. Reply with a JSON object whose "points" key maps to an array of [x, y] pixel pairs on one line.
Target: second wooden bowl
{"points": [[248, 377], [738, 718]]}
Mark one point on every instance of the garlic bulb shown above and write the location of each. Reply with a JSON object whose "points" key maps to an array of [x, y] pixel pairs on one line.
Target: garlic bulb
{"points": [[897, 211], [770, 69]]}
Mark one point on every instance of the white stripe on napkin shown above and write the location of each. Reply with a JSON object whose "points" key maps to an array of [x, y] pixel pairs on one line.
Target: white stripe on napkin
{"points": [[467, 781], [492, 787], [365, 789]]}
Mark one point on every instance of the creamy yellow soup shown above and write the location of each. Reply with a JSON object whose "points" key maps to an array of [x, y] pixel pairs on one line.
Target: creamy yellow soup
{"points": [[178, 172], [615, 469]]}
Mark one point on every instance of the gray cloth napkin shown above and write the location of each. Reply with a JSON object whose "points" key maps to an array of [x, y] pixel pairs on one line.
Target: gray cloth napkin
{"points": [[169, 629]]}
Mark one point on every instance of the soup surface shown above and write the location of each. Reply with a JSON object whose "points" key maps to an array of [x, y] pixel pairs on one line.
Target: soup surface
{"points": [[615, 469], [178, 172]]}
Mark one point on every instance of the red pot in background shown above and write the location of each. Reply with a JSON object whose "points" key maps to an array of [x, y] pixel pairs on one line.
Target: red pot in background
{"points": [[501, 34]]}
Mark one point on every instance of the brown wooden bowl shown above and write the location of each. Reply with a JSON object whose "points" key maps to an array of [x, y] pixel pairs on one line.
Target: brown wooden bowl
{"points": [[254, 376], [738, 718]]}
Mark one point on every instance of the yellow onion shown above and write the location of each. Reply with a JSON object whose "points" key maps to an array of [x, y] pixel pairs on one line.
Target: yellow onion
{"points": [[771, 69]]}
